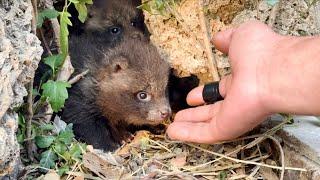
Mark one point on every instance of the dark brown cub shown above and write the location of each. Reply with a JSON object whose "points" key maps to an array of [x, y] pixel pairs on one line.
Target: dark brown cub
{"points": [[127, 84], [113, 19]]}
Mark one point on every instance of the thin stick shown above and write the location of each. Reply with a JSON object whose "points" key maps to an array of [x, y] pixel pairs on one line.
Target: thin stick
{"points": [[281, 153], [208, 48], [45, 42], [78, 77], [29, 122], [35, 15], [162, 146], [246, 162]]}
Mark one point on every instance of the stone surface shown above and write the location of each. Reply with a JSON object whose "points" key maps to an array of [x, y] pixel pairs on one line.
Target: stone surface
{"points": [[20, 53], [180, 41], [301, 146]]}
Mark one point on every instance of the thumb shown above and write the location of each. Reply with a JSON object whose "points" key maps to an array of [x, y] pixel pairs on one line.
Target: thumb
{"points": [[222, 40]]}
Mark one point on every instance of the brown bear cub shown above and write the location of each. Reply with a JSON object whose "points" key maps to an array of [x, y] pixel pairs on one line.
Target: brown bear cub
{"points": [[127, 80]]}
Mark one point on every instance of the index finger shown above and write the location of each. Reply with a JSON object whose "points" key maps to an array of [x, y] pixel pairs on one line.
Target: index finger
{"points": [[195, 98]]}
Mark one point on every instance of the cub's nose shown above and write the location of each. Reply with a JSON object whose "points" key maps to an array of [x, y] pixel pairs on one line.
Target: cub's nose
{"points": [[165, 113]]}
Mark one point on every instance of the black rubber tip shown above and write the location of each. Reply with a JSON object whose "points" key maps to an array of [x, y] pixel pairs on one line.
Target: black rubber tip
{"points": [[211, 93]]}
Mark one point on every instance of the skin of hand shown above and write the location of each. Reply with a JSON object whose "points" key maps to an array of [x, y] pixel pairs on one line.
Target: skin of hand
{"points": [[264, 80]]}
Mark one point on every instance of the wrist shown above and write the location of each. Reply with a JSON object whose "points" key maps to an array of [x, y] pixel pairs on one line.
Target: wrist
{"points": [[290, 76]]}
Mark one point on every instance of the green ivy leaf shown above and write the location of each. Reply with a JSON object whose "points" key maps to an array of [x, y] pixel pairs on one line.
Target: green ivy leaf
{"points": [[76, 151], [21, 121], [56, 93], [64, 32], [146, 7], [82, 11], [20, 136], [63, 169], [65, 18], [46, 13], [47, 127], [48, 159], [44, 141], [223, 175], [54, 61], [60, 147], [66, 136], [50, 13]]}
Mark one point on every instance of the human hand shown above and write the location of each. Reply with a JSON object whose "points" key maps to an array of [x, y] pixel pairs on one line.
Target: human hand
{"points": [[250, 47]]}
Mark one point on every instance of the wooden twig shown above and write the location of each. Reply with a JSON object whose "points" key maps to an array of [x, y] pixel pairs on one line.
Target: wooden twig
{"points": [[44, 41], [29, 122], [208, 48], [34, 17], [281, 154], [78, 77], [54, 23], [66, 70], [247, 162], [30, 92]]}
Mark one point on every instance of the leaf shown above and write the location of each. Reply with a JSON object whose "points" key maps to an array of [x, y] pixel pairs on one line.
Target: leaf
{"points": [[65, 18], [66, 136], [82, 11], [46, 13], [21, 121], [222, 175], [54, 61], [47, 127], [63, 169], [64, 32], [56, 93], [35, 93], [49, 13], [20, 136], [76, 151], [60, 147], [44, 141], [48, 159], [146, 7], [59, 125]]}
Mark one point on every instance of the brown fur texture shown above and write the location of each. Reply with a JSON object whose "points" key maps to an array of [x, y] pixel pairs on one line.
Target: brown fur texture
{"points": [[123, 68], [106, 14], [106, 101]]}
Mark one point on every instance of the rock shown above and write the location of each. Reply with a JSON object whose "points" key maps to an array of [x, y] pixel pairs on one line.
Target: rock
{"points": [[20, 53], [180, 41]]}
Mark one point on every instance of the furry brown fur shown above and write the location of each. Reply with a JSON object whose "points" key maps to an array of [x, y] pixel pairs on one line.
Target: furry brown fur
{"points": [[105, 15], [127, 84]]}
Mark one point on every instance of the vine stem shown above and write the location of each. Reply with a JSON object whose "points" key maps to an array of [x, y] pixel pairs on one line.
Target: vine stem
{"points": [[29, 122], [29, 141], [212, 63]]}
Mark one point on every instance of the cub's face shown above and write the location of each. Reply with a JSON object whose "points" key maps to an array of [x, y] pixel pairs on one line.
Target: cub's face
{"points": [[133, 84], [111, 20]]}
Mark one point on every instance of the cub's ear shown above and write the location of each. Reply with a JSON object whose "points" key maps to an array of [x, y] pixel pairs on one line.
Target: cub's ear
{"points": [[119, 64]]}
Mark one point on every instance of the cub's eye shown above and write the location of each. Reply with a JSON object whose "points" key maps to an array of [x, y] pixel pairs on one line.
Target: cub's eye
{"points": [[115, 30], [143, 96]]}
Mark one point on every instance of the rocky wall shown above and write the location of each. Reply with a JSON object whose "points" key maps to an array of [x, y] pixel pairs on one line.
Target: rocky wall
{"points": [[180, 41], [20, 53]]}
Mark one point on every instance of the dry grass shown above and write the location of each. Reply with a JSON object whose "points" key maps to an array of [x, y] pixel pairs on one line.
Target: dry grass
{"points": [[150, 156]]}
